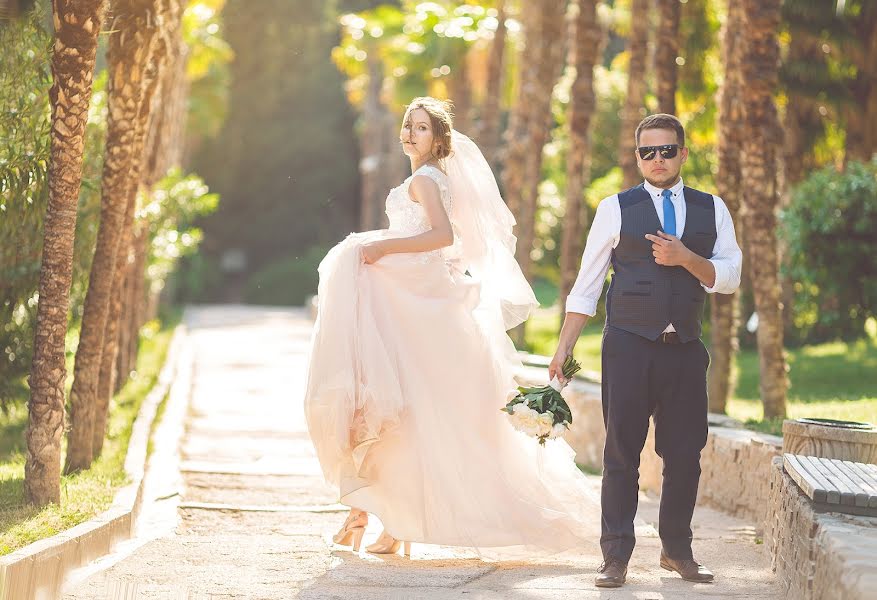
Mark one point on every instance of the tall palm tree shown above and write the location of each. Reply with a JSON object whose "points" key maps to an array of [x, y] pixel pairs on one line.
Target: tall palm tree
{"points": [[666, 52], [460, 93], [759, 155], [162, 20], [131, 47], [724, 310], [631, 113], [585, 47], [861, 113], [9, 9], [488, 134], [541, 63], [76, 24], [375, 139], [164, 150]]}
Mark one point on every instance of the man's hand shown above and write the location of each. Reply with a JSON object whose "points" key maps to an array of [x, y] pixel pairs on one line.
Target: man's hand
{"points": [[372, 252], [556, 367], [669, 250], [572, 327]]}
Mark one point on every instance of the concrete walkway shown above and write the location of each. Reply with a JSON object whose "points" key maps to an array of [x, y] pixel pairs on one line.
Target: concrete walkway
{"points": [[253, 518]]}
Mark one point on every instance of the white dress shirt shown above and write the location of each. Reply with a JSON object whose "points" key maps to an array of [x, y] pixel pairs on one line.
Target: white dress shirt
{"points": [[606, 232]]}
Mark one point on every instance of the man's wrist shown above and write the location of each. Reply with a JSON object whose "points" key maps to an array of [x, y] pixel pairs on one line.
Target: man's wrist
{"points": [[690, 259]]}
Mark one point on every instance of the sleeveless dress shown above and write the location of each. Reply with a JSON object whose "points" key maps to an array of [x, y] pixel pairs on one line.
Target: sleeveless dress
{"points": [[403, 404]]}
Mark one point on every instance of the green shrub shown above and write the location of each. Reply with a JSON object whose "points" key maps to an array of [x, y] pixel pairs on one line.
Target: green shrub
{"points": [[288, 281], [830, 230]]}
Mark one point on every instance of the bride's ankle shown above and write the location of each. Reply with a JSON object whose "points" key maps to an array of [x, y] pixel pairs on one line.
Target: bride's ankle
{"points": [[357, 515]]}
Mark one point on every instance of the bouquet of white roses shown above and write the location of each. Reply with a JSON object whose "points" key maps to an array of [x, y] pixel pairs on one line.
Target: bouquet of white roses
{"points": [[542, 412]]}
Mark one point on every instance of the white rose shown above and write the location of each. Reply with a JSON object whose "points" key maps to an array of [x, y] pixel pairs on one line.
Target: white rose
{"points": [[529, 421], [520, 407], [546, 422]]}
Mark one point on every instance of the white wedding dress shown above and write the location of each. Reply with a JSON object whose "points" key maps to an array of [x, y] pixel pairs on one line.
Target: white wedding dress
{"points": [[403, 404]]}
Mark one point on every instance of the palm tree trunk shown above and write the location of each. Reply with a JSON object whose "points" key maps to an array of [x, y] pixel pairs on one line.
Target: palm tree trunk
{"points": [[134, 308], [123, 365], [666, 52], [725, 308], [759, 169], [371, 147], [585, 47], [460, 93], [129, 50], [632, 112], [9, 9], [76, 24], [539, 73], [163, 150], [489, 126], [861, 114], [515, 150], [159, 20]]}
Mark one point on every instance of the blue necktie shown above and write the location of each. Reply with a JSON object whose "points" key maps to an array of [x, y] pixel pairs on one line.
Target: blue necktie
{"points": [[669, 213]]}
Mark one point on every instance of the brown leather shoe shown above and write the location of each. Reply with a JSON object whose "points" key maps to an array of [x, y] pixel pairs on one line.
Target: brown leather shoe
{"points": [[688, 568], [613, 573]]}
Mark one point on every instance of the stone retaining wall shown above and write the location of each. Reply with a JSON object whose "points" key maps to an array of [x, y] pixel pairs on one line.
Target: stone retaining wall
{"points": [[825, 556]]}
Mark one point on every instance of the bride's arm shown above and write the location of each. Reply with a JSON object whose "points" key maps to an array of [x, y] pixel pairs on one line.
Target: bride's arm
{"points": [[426, 192]]}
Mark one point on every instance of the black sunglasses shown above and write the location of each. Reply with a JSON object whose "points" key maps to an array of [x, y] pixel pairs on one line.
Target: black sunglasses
{"points": [[667, 151]]}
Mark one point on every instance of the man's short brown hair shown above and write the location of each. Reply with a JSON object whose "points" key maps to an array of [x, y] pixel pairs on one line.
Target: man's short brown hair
{"points": [[662, 121]]}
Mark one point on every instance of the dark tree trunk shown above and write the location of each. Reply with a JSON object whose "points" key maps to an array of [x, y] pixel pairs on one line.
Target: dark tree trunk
{"points": [[585, 47], [77, 24], [759, 168]]}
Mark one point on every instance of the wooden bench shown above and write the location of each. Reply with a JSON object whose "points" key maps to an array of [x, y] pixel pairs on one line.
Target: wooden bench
{"points": [[835, 485]]}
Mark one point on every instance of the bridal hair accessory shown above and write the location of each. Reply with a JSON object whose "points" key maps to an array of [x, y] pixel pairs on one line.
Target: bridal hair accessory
{"points": [[541, 412]]}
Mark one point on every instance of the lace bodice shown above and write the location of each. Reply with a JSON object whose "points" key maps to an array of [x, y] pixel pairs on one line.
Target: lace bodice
{"points": [[409, 218], [406, 215]]}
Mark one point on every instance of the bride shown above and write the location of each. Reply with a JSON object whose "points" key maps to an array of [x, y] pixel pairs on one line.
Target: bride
{"points": [[411, 364]]}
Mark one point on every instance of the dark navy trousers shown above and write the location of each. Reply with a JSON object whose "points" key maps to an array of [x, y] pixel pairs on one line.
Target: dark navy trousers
{"points": [[642, 378]]}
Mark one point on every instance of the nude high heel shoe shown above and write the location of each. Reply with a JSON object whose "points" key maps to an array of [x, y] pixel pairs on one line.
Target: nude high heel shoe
{"points": [[387, 544], [352, 531]]}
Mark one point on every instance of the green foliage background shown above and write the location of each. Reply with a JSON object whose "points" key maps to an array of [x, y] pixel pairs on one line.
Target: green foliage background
{"points": [[830, 230], [285, 161]]}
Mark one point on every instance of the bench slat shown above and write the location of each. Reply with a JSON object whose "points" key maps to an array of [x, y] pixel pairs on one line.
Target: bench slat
{"points": [[811, 486], [832, 493], [847, 495], [870, 469], [870, 483], [860, 495]]}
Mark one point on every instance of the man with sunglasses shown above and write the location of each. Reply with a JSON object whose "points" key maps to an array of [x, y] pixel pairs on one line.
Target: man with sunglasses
{"points": [[669, 245]]}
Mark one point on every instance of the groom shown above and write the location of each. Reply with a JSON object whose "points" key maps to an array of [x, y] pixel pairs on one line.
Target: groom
{"points": [[669, 245]]}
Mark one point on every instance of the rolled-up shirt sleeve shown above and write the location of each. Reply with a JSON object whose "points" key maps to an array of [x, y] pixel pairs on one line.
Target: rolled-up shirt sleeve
{"points": [[727, 257], [602, 238]]}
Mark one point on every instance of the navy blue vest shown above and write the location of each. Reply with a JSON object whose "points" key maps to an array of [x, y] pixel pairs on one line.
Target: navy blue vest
{"points": [[644, 297]]}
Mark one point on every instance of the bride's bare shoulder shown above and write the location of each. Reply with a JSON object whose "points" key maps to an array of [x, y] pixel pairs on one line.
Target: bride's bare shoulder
{"points": [[423, 186]]}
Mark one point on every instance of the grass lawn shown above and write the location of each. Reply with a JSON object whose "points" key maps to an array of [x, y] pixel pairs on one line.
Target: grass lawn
{"points": [[85, 494], [835, 380]]}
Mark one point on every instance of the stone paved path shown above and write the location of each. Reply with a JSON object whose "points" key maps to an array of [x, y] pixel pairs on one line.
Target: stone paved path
{"points": [[253, 518]]}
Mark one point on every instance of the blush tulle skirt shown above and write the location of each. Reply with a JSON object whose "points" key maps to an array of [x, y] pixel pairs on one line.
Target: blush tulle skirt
{"points": [[405, 385]]}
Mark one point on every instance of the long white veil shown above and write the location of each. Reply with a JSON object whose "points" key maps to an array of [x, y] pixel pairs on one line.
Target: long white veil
{"points": [[484, 224]]}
